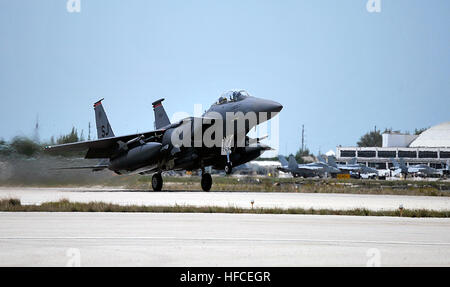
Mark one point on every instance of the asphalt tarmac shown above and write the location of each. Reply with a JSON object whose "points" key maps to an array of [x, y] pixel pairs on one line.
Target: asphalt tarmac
{"points": [[176, 239]]}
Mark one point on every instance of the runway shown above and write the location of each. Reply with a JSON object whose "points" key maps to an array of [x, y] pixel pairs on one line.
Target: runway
{"points": [[238, 199], [173, 239]]}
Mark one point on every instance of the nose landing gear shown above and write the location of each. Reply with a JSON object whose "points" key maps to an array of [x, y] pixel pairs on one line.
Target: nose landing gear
{"points": [[229, 165], [228, 168], [226, 150]]}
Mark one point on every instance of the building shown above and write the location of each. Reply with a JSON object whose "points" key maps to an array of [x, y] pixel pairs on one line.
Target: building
{"points": [[431, 147]]}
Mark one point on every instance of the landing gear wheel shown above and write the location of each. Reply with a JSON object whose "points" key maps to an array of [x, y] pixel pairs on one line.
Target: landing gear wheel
{"points": [[157, 182], [206, 181], [228, 168]]}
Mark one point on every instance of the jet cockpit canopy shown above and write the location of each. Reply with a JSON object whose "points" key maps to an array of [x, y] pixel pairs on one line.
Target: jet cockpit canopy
{"points": [[232, 96]]}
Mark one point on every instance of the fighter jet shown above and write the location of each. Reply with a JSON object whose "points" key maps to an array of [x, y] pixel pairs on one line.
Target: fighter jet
{"points": [[218, 139], [445, 171], [418, 169], [305, 170], [352, 167]]}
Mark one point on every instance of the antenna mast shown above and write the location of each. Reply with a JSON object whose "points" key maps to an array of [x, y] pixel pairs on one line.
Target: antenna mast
{"points": [[303, 137]]}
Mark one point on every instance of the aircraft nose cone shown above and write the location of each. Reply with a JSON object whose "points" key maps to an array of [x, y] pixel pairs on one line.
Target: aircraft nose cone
{"points": [[277, 107], [271, 106]]}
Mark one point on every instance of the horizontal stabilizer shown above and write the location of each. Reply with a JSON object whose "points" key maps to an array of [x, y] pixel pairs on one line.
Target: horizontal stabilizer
{"points": [[96, 167]]}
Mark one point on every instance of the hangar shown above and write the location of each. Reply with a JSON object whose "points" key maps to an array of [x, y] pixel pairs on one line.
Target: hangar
{"points": [[431, 147]]}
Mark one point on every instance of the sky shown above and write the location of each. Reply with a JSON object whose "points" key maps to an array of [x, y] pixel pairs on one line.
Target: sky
{"points": [[336, 68]]}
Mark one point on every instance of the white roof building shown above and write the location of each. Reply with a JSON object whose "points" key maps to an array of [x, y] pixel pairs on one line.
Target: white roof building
{"points": [[396, 139], [436, 136], [431, 147]]}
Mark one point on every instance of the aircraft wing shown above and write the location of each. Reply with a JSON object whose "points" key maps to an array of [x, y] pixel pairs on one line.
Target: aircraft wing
{"points": [[414, 169], [349, 168], [305, 167], [102, 148]]}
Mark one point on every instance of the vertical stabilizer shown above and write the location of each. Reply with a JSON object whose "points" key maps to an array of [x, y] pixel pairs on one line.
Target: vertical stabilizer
{"points": [[283, 161], [331, 161], [321, 159], [292, 162], [395, 163], [161, 119], [104, 129], [402, 163]]}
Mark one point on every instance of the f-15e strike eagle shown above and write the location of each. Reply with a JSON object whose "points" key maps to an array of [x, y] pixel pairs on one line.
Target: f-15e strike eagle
{"points": [[351, 166], [305, 170], [418, 169], [218, 139]]}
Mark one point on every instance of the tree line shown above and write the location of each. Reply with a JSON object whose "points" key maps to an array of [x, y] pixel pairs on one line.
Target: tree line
{"points": [[375, 139], [22, 145]]}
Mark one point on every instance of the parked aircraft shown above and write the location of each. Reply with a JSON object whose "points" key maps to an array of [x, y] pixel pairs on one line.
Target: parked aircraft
{"points": [[305, 170], [418, 169], [446, 170], [352, 167]]}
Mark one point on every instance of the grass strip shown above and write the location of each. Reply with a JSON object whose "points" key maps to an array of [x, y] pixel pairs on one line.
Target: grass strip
{"points": [[14, 205]]}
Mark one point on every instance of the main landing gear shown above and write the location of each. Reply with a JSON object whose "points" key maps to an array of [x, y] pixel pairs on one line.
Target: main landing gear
{"points": [[206, 181], [157, 182]]}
